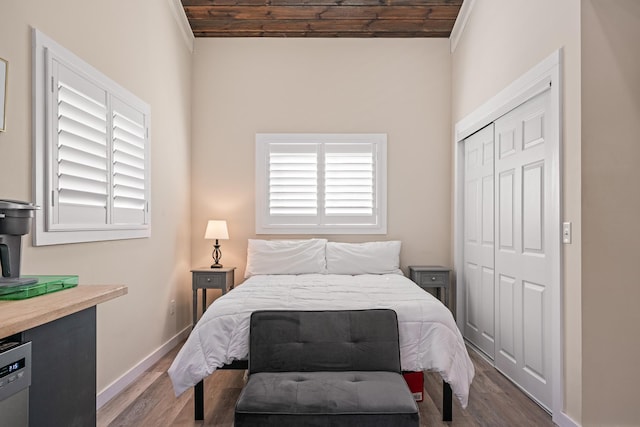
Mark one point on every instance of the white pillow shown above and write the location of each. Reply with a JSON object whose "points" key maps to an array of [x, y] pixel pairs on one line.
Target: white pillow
{"points": [[285, 257], [363, 258]]}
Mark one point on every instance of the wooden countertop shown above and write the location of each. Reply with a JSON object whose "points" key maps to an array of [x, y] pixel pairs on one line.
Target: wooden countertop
{"points": [[18, 316]]}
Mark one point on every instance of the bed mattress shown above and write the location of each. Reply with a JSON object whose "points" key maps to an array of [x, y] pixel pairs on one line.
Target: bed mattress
{"points": [[429, 337]]}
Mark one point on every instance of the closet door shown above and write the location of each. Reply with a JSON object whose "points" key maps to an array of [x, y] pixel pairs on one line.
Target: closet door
{"points": [[523, 272], [479, 240]]}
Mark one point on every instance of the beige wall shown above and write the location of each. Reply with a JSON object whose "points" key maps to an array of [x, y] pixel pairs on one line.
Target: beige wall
{"points": [[138, 45], [502, 40], [413, 90], [399, 87], [610, 211]]}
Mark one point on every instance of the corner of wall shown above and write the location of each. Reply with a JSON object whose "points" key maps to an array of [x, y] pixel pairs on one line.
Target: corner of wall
{"points": [[183, 23], [460, 24]]}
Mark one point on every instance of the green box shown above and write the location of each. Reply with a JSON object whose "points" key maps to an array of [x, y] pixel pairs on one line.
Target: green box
{"points": [[44, 285]]}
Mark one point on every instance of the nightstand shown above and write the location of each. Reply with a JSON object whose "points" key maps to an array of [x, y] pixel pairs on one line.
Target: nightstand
{"points": [[209, 278], [430, 276]]}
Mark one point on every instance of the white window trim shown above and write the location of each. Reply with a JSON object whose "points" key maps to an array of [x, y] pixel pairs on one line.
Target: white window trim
{"points": [[262, 202], [42, 235]]}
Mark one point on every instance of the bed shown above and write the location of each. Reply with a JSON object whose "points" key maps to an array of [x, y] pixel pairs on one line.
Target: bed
{"points": [[429, 337]]}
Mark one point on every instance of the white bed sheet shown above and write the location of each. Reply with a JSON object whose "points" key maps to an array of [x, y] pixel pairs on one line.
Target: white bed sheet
{"points": [[429, 337]]}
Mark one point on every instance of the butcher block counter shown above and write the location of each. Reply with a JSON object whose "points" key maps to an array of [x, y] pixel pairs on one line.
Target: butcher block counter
{"points": [[61, 327], [18, 316]]}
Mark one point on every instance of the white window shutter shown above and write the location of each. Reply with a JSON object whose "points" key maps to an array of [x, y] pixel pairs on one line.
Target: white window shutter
{"points": [[91, 152], [129, 164], [320, 183], [349, 189], [293, 183], [80, 166]]}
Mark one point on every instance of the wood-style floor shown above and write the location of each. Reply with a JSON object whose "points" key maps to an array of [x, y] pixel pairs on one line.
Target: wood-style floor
{"points": [[493, 401]]}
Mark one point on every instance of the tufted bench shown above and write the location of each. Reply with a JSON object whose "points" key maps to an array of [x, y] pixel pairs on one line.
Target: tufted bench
{"points": [[325, 368]]}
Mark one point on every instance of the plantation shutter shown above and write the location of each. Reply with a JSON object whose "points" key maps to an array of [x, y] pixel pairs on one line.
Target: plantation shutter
{"points": [[91, 152], [320, 183], [293, 183], [99, 156], [129, 164], [80, 168], [349, 184]]}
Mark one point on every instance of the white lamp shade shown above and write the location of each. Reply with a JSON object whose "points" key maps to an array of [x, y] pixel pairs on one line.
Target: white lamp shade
{"points": [[216, 229]]}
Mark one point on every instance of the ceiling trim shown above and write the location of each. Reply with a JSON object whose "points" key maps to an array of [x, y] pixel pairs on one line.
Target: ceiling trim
{"points": [[460, 24], [183, 23]]}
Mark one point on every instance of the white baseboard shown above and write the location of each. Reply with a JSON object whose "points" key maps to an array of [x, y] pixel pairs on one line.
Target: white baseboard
{"points": [[110, 391], [563, 420]]}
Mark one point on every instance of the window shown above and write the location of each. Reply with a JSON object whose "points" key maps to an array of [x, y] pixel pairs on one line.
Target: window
{"points": [[91, 149], [321, 183]]}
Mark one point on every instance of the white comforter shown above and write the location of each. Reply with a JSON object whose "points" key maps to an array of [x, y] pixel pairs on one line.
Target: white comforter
{"points": [[429, 337]]}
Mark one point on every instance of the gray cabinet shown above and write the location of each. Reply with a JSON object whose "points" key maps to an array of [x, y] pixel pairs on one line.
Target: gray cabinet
{"points": [[209, 278], [63, 371], [432, 277]]}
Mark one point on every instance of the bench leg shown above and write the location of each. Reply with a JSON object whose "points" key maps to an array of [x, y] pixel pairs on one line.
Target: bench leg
{"points": [[198, 399], [447, 404]]}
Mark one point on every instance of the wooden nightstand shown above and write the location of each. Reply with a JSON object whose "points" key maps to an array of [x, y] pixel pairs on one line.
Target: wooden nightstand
{"points": [[209, 278], [430, 276]]}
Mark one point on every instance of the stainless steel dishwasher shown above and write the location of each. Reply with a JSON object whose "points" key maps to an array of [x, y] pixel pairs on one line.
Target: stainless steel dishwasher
{"points": [[15, 379]]}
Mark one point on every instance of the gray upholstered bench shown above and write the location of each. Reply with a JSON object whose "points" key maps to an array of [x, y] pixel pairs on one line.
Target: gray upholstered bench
{"points": [[325, 368]]}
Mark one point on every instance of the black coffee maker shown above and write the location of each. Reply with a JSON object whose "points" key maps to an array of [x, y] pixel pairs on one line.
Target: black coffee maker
{"points": [[15, 221]]}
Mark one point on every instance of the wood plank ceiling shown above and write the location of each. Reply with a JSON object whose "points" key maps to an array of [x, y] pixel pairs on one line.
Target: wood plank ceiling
{"points": [[321, 18]]}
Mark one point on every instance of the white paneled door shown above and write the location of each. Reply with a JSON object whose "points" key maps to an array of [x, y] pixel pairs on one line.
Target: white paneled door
{"points": [[523, 270], [508, 272], [479, 240]]}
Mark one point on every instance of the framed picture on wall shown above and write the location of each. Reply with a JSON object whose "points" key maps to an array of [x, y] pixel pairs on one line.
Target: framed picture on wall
{"points": [[3, 92]]}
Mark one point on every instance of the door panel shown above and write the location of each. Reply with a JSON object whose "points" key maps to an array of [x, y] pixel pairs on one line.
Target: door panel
{"points": [[487, 211], [523, 333], [507, 143], [487, 301], [506, 209], [533, 208], [533, 312], [472, 298], [479, 239], [506, 322]]}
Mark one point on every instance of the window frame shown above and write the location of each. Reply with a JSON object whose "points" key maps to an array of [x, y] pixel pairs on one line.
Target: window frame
{"points": [[265, 226], [46, 230]]}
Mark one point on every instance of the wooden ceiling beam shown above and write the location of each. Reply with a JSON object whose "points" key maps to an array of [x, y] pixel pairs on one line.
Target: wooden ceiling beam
{"points": [[316, 34], [321, 18], [388, 3], [207, 13], [342, 26]]}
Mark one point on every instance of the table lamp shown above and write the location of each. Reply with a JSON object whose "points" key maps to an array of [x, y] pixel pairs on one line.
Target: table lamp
{"points": [[216, 229]]}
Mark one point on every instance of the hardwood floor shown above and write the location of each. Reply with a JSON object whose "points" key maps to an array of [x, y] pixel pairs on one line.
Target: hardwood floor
{"points": [[493, 401]]}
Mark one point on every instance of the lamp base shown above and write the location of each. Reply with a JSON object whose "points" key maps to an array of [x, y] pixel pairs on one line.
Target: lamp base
{"points": [[216, 254]]}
